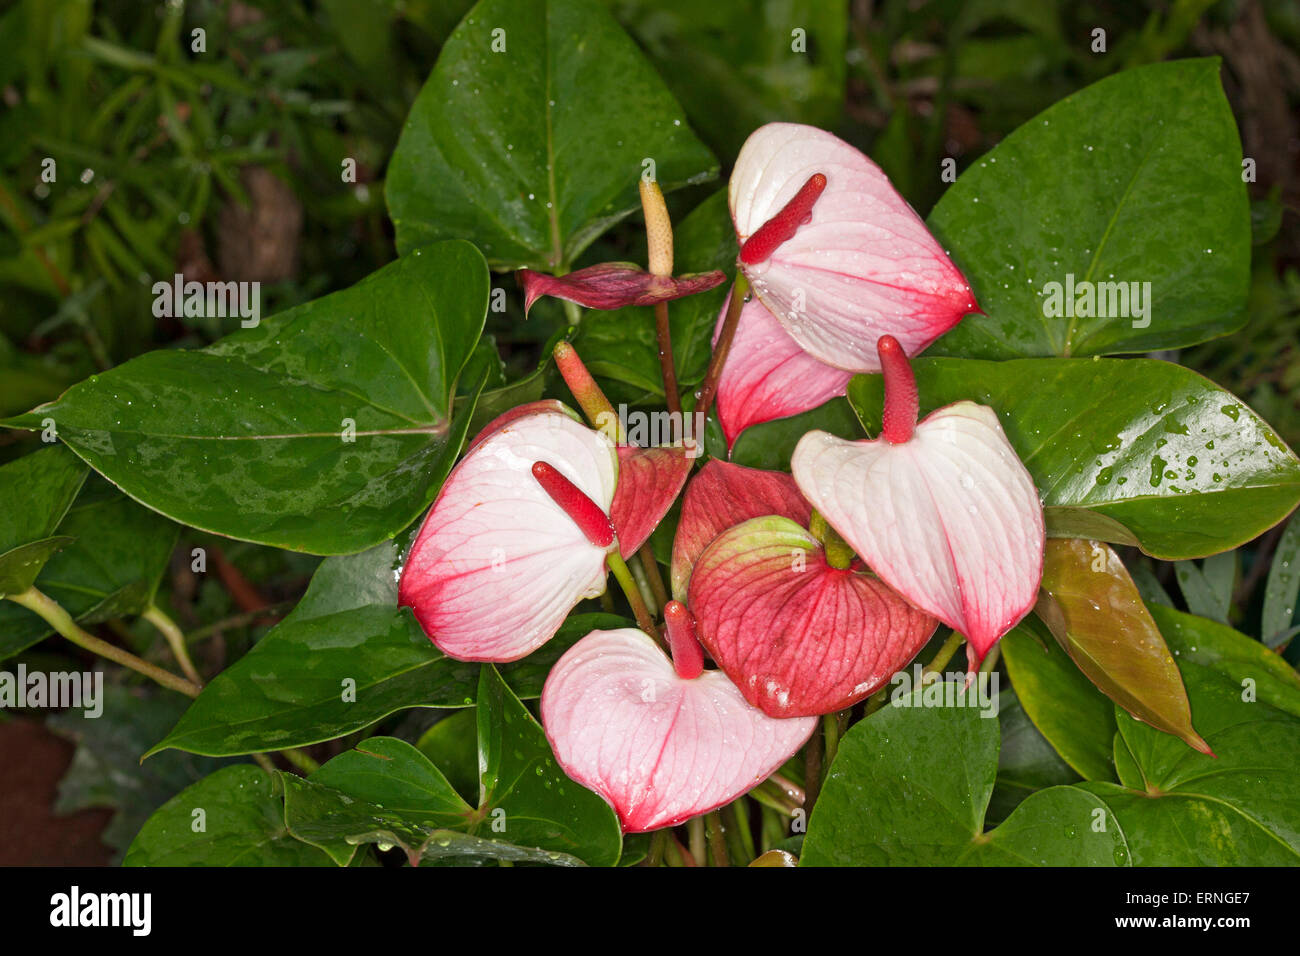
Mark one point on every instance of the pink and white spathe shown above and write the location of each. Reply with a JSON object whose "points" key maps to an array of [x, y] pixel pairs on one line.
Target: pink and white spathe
{"points": [[498, 563], [943, 511], [661, 743], [768, 375], [841, 263]]}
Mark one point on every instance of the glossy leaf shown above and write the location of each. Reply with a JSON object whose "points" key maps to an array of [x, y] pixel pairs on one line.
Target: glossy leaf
{"points": [[337, 824], [106, 771], [113, 557], [524, 795], [1027, 763], [771, 444], [1075, 717], [910, 785], [346, 657], [1233, 654], [1096, 614], [497, 150], [1074, 191], [46, 482], [326, 429], [1181, 808], [1182, 464], [243, 825]]}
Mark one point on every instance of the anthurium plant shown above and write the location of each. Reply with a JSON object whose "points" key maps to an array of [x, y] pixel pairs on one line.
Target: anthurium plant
{"points": [[823, 534]]}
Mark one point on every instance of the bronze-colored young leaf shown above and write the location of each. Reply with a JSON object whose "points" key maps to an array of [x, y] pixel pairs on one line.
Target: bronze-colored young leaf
{"points": [[1094, 610]]}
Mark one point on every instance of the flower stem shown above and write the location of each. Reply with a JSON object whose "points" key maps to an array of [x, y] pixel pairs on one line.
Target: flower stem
{"points": [[812, 774], [591, 399], [663, 332], [658, 843], [175, 640], [624, 577], [717, 840], [831, 731], [695, 827], [941, 659], [301, 760], [651, 567], [59, 619], [709, 387]]}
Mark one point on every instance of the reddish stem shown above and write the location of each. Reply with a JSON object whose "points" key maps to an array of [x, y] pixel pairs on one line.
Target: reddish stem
{"points": [[901, 401], [586, 514], [688, 656], [759, 246]]}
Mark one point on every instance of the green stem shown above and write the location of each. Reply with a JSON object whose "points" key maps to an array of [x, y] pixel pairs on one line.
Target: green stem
{"points": [[991, 659], [695, 827], [812, 775], [175, 640], [941, 659], [831, 731], [717, 842], [658, 842], [647, 558], [624, 577], [301, 760], [735, 820], [263, 761], [59, 619]]}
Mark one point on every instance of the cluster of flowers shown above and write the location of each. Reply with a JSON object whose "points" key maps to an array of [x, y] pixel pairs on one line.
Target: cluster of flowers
{"points": [[807, 590]]}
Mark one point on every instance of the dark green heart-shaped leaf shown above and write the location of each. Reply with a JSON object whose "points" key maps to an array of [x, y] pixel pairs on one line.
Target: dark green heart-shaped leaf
{"points": [[233, 817], [529, 136], [346, 657], [392, 774], [114, 557], [452, 745], [771, 444], [1136, 179], [327, 428], [1181, 808], [1096, 614], [909, 787], [38, 489], [525, 796], [1232, 654], [1026, 761], [1182, 464], [337, 824], [1076, 718]]}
